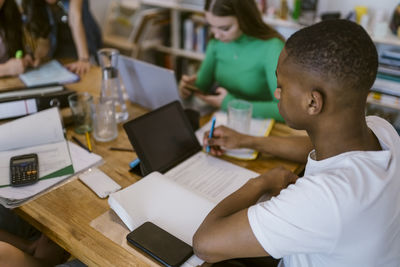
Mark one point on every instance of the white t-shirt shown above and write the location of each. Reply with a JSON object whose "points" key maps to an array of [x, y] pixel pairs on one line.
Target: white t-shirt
{"points": [[345, 211]]}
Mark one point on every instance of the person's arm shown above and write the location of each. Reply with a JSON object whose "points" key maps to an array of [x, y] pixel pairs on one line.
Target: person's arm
{"points": [[41, 51], [226, 233], [206, 73], [12, 67], [295, 148], [78, 33], [20, 243], [11, 256]]}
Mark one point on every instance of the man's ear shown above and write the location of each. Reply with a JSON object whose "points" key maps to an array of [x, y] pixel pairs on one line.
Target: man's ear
{"points": [[315, 102]]}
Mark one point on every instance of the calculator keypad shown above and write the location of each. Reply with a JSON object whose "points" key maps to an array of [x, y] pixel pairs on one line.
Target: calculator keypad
{"points": [[24, 173]]}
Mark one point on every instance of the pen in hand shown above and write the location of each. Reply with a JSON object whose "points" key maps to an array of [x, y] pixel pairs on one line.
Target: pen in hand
{"points": [[211, 132]]}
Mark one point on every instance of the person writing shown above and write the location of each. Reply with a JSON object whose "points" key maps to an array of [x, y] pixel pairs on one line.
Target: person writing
{"points": [[345, 210], [36, 30], [241, 58], [12, 60]]}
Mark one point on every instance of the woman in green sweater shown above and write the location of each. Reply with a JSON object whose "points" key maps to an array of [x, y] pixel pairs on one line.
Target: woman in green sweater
{"points": [[241, 58]]}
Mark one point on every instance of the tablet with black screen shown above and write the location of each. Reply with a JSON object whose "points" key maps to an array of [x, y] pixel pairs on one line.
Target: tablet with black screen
{"points": [[162, 138]]}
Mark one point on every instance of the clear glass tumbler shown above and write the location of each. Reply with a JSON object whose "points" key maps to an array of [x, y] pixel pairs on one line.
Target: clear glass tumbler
{"points": [[104, 122], [239, 115], [81, 107]]}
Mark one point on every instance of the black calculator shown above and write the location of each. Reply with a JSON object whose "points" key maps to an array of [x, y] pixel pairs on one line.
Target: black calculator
{"points": [[24, 169]]}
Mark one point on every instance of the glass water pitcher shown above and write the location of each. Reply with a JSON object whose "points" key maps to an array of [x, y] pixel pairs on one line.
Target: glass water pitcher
{"points": [[111, 86]]}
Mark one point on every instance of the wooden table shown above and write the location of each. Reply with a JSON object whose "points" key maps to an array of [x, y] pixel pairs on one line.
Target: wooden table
{"points": [[64, 214]]}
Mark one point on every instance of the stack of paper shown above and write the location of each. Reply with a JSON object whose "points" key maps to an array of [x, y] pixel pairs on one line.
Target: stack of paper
{"points": [[41, 133], [258, 127]]}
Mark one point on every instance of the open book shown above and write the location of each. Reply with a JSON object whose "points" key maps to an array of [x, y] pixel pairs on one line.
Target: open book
{"points": [[180, 199], [258, 127], [192, 182]]}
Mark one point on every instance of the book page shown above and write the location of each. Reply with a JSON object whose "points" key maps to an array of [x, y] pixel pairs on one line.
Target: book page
{"points": [[163, 202], [258, 127], [37, 129], [210, 177]]}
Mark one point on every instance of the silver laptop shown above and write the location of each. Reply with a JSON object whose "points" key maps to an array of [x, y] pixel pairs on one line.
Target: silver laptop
{"points": [[152, 86], [146, 84]]}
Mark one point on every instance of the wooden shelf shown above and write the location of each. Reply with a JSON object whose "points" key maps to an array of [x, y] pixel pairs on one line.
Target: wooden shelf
{"points": [[174, 5], [389, 39], [180, 52], [275, 22]]}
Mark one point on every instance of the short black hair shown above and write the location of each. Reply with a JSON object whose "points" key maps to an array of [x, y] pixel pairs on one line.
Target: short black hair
{"points": [[338, 50]]}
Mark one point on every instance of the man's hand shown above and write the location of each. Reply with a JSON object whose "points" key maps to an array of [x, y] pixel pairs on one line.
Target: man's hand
{"points": [[223, 138], [214, 100], [277, 179], [79, 67]]}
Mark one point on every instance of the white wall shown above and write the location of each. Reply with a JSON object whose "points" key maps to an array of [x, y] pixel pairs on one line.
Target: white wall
{"points": [[99, 8]]}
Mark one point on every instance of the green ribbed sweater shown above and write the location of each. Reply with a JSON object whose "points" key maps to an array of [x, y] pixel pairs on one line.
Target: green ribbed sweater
{"points": [[246, 68]]}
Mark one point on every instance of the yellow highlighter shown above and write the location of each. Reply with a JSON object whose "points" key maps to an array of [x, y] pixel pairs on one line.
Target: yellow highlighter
{"points": [[19, 54]]}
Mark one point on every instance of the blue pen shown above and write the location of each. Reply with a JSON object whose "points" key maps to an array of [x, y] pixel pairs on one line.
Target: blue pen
{"points": [[211, 133], [134, 163]]}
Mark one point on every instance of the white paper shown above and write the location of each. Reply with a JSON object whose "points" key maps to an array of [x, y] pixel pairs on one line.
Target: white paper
{"points": [[51, 158], [50, 73], [210, 177], [11, 197], [258, 127], [99, 182], [37, 129], [17, 108], [156, 199]]}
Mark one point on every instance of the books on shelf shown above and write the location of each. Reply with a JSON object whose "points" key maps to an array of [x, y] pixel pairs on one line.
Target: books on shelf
{"points": [[195, 34], [391, 54], [388, 69], [384, 100], [386, 86], [258, 127]]}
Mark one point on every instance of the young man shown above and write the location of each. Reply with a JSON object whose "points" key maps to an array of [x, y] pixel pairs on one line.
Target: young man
{"points": [[345, 210]]}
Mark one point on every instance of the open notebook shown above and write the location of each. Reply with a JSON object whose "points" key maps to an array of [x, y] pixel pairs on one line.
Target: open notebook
{"points": [[258, 127], [182, 183], [51, 72]]}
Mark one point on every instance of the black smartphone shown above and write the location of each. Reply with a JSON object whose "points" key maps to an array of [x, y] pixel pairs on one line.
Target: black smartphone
{"points": [[161, 245], [196, 90]]}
